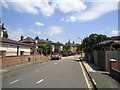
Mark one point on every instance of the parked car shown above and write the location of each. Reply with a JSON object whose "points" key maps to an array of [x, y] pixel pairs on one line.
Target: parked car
{"points": [[55, 56], [65, 54], [70, 53]]}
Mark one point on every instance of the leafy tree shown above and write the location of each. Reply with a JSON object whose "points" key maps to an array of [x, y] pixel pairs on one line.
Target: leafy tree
{"points": [[46, 49], [5, 34], [91, 43]]}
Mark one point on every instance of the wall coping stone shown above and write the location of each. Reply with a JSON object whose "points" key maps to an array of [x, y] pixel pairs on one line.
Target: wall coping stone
{"points": [[113, 60]]}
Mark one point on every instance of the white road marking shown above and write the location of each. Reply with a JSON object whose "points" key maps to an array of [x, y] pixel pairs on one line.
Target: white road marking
{"points": [[37, 70], [3, 70], [44, 62], [94, 82], [18, 65], [56, 63], [14, 81], [39, 81]]}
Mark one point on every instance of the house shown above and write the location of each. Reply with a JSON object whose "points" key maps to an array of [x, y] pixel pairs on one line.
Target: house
{"points": [[14, 48], [73, 47], [55, 46], [58, 47], [111, 45]]}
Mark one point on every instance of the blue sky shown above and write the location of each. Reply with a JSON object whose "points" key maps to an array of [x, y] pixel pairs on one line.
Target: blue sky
{"points": [[60, 21]]}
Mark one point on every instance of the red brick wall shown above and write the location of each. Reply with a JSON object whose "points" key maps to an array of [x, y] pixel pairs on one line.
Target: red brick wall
{"points": [[10, 61]]}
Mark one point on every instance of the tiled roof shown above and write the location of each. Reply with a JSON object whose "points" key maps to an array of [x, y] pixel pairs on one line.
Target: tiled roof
{"points": [[7, 40], [115, 37], [28, 40], [31, 40], [73, 44], [58, 43], [109, 41]]}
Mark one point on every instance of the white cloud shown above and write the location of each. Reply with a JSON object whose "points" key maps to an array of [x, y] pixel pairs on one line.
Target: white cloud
{"points": [[31, 6], [101, 0], [71, 19], [115, 32], [97, 10], [70, 5], [62, 19], [39, 24], [35, 32], [44, 6], [55, 30], [15, 34], [77, 8]]}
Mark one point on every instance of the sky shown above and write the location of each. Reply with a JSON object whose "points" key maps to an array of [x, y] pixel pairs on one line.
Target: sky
{"points": [[60, 20]]}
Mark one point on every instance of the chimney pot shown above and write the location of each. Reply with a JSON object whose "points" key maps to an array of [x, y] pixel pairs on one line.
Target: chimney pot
{"points": [[22, 37]]}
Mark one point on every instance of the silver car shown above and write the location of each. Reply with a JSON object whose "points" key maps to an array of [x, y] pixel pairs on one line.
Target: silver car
{"points": [[55, 56]]}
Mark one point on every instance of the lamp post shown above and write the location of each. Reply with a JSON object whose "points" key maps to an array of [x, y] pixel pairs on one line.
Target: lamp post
{"points": [[81, 43]]}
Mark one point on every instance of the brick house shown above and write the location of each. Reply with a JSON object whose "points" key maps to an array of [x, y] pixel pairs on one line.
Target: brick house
{"points": [[73, 47], [14, 48], [58, 47]]}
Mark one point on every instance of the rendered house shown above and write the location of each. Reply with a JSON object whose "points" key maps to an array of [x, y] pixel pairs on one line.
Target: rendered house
{"points": [[14, 48]]}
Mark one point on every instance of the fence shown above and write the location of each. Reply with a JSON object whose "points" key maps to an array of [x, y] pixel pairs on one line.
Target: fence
{"points": [[101, 58]]}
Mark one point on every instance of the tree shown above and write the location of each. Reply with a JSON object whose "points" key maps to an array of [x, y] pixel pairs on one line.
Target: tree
{"points": [[5, 34], [91, 43], [36, 37], [46, 49]]}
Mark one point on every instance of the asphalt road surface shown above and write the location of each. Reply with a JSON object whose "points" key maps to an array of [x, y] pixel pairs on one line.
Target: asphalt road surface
{"points": [[63, 73]]}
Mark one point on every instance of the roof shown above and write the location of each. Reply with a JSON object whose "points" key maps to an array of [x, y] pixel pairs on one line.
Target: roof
{"points": [[109, 41], [7, 40], [115, 37], [74, 44], [31, 40], [58, 43], [44, 41], [28, 40]]}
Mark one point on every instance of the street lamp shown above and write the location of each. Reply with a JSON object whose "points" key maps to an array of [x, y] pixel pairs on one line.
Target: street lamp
{"points": [[81, 43]]}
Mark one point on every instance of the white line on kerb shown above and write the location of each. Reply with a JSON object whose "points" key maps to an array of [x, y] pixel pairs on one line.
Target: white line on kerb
{"points": [[14, 81], [39, 81], [94, 82]]}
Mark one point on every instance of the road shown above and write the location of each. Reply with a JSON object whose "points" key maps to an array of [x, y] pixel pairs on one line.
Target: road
{"points": [[63, 73]]}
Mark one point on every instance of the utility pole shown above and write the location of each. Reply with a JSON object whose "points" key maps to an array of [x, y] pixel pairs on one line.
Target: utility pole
{"points": [[81, 43]]}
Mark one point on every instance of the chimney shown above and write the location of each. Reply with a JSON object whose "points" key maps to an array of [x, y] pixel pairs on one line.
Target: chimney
{"points": [[47, 39], [22, 37], [1, 30], [73, 42]]}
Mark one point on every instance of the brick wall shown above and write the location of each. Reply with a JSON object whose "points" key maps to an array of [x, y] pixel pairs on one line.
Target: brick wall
{"points": [[10, 61], [115, 74], [113, 70]]}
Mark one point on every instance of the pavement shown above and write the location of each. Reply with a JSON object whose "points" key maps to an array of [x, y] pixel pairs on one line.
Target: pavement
{"points": [[63, 73], [101, 79]]}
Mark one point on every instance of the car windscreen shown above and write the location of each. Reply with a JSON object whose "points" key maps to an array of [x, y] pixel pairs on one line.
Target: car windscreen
{"points": [[55, 54]]}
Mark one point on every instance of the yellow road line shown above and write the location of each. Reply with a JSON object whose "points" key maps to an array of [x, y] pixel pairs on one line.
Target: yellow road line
{"points": [[86, 79]]}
